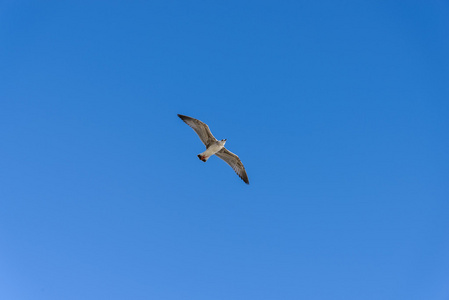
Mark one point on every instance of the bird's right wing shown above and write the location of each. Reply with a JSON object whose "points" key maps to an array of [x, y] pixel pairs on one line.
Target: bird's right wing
{"points": [[235, 163], [201, 129]]}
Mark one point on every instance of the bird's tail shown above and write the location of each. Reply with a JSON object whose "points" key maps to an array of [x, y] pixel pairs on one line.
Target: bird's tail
{"points": [[203, 157]]}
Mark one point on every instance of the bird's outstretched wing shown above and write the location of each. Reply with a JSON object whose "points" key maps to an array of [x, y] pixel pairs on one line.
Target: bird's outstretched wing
{"points": [[235, 163], [201, 129]]}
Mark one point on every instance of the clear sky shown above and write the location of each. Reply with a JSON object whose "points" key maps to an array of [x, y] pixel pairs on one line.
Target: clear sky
{"points": [[339, 111]]}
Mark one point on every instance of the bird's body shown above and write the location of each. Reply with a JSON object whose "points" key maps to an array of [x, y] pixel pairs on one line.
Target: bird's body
{"points": [[213, 146], [211, 150]]}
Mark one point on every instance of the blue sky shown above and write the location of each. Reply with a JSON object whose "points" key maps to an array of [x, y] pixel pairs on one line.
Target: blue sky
{"points": [[338, 109]]}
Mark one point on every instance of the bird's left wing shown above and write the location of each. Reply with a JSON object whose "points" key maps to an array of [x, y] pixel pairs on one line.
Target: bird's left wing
{"points": [[235, 163]]}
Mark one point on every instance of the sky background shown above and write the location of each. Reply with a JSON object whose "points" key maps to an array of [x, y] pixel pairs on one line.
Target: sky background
{"points": [[339, 111]]}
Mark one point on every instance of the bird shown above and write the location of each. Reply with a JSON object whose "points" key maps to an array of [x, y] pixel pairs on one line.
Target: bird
{"points": [[214, 146]]}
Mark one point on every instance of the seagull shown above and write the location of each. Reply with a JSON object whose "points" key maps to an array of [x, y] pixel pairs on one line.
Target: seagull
{"points": [[213, 146]]}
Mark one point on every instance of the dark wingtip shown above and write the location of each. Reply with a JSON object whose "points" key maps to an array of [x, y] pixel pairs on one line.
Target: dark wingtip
{"points": [[184, 118]]}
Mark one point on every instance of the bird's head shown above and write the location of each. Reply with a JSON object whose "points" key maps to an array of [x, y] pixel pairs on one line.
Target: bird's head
{"points": [[223, 141]]}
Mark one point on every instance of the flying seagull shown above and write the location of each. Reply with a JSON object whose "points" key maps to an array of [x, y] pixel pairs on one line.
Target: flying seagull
{"points": [[215, 147]]}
